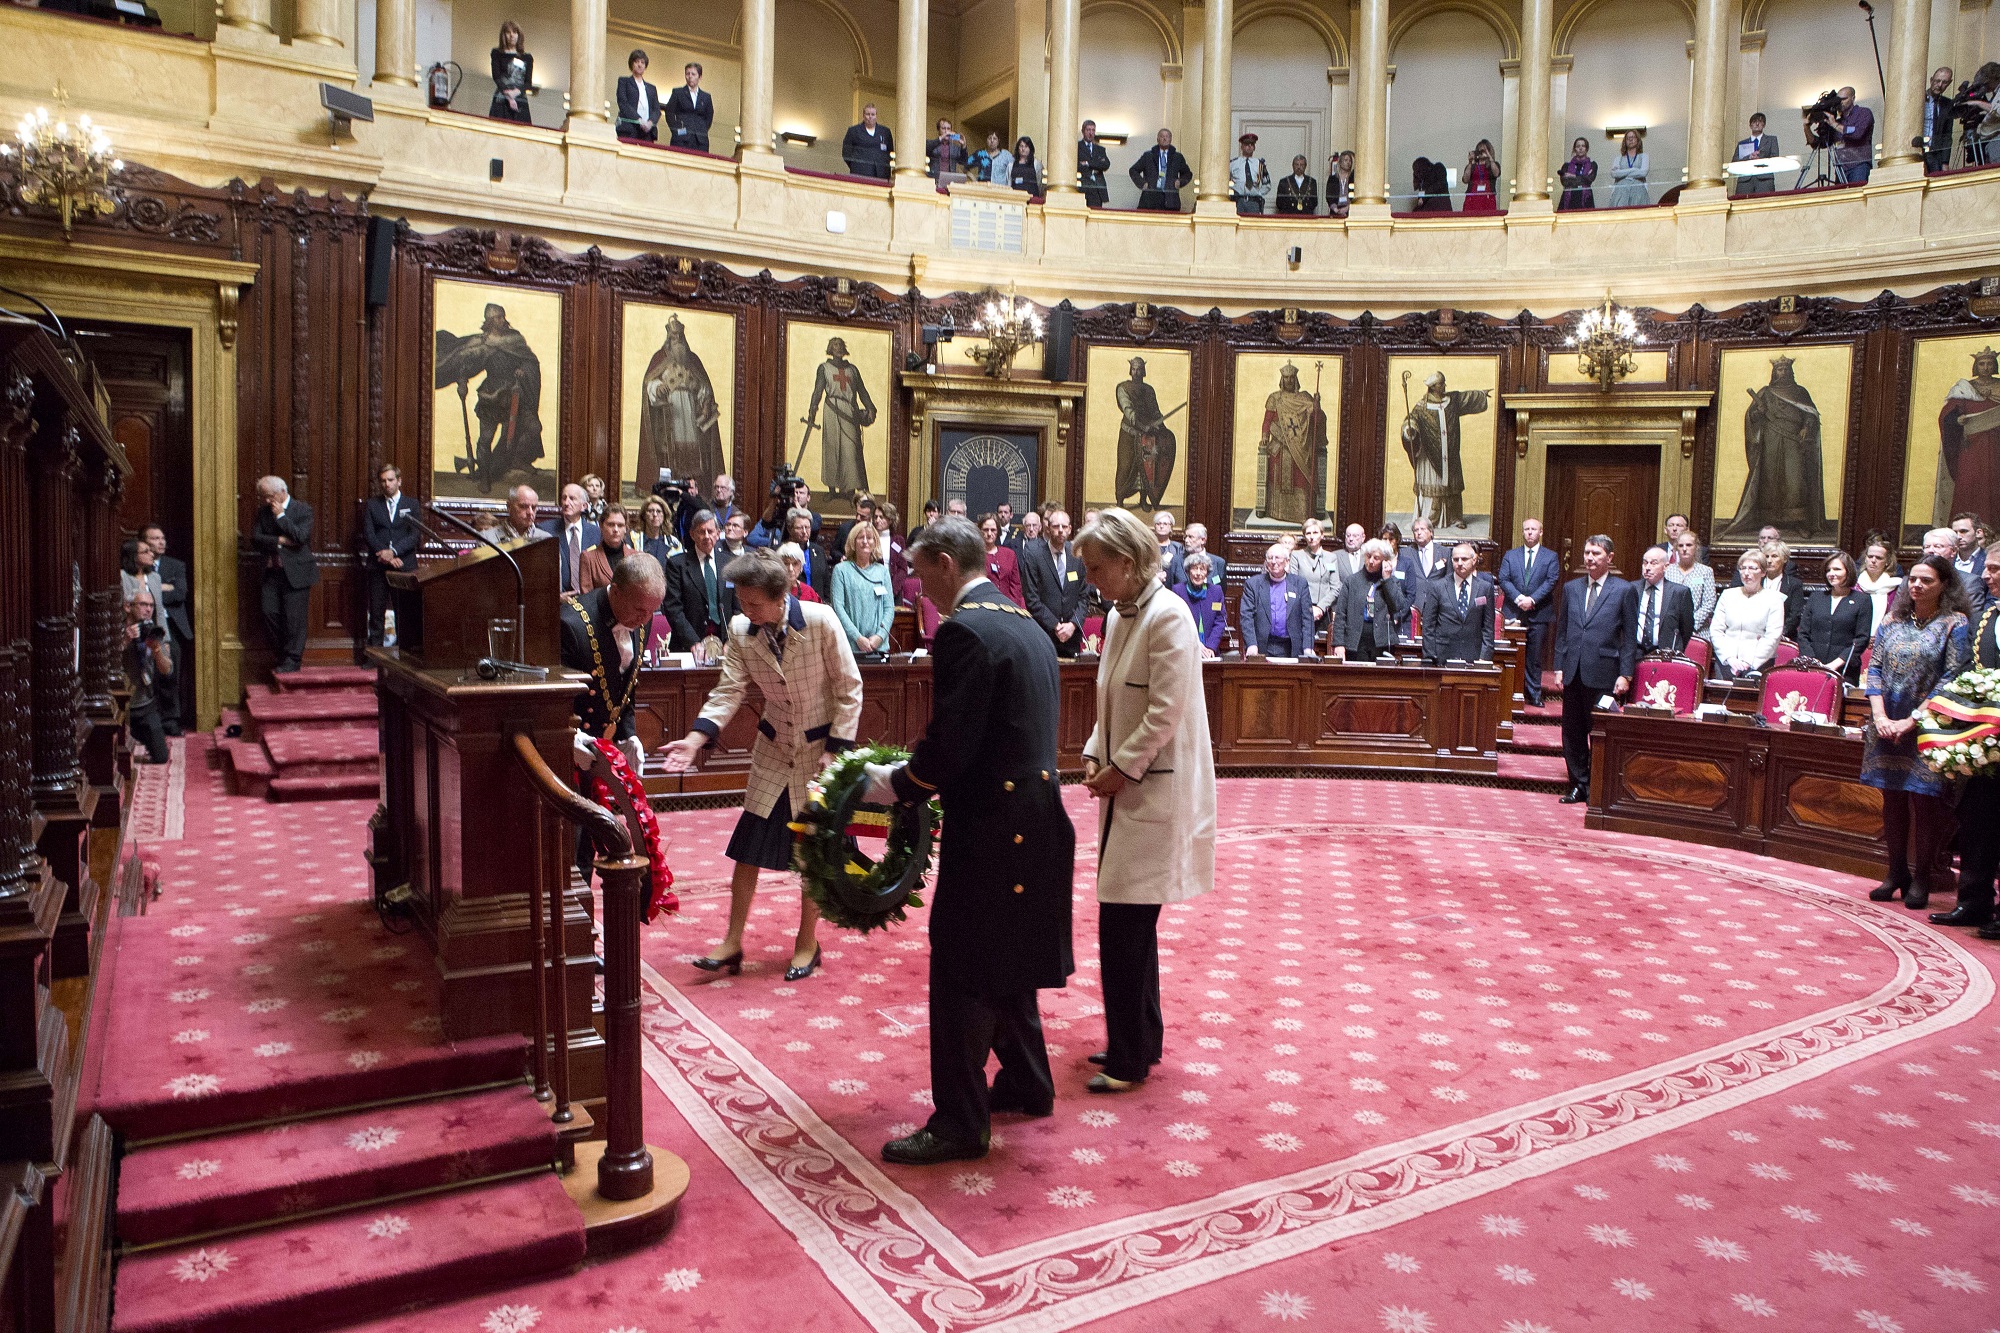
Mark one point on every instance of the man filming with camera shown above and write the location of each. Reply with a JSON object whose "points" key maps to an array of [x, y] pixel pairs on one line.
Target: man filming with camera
{"points": [[1973, 109], [1850, 129], [147, 658]]}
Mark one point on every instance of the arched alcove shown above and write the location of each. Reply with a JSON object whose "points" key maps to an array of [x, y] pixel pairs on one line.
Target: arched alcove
{"points": [[1448, 94], [1630, 68], [820, 53], [1122, 84], [1279, 90]]}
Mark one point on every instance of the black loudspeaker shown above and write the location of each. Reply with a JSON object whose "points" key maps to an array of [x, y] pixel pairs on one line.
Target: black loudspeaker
{"points": [[1055, 347], [381, 251]]}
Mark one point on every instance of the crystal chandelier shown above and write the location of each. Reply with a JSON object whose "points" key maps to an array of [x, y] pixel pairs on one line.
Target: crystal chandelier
{"points": [[1008, 326], [1604, 341], [63, 167]]}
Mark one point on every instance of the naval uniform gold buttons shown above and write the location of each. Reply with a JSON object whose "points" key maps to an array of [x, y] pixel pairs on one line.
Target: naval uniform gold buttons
{"points": [[1006, 786], [1017, 839], [1020, 888], [1045, 775]]}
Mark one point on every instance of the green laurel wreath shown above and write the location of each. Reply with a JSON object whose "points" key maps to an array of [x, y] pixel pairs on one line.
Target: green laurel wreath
{"points": [[852, 891]]}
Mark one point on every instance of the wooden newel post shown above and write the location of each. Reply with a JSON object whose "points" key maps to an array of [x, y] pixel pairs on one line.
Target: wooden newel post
{"points": [[626, 1169]]}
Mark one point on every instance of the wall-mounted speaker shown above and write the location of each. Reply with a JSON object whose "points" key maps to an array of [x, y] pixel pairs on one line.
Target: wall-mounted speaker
{"points": [[381, 258], [1056, 345]]}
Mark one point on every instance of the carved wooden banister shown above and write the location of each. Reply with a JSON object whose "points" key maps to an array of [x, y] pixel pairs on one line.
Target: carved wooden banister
{"points": [[607, 832]]}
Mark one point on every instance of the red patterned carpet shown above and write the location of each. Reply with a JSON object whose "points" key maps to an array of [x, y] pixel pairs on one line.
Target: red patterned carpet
{"points": [[1438, 1059]]}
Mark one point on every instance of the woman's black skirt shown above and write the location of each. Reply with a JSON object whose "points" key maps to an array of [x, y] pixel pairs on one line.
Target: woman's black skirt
{"points": [[764, 841]]}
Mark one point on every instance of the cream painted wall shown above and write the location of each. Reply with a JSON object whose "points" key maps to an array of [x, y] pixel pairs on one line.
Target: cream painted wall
{"points": [[1816, 45], [1446, 97], [1278, 87], [1120, 88], [544, 24], [986, 44], [1631, 68], [817, 61]]}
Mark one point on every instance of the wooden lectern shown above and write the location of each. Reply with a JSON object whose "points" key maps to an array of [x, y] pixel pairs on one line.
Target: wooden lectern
{"points": [[441, 611]]}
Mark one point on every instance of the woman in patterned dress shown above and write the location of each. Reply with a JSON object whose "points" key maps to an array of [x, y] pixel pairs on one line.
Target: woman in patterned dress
{"points": [[1926, 638], [1689, 571]]}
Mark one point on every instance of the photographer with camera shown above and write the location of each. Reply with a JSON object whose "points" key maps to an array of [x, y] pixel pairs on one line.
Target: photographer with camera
{"points": [[147, 660], [1973, 109], [1848, 128], [788, 492]]}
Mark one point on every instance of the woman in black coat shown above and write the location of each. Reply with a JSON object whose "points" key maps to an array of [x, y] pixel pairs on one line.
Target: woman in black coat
{"points": [[1835, 626], [513, 75]]}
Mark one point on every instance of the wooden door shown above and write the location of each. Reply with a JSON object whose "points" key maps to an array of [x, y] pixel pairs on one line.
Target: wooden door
{"points": [[1613, 490], [145, 373]]}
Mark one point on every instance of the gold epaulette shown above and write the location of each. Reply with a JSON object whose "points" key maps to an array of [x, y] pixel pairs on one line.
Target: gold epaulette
{"points": [[993, 606]]}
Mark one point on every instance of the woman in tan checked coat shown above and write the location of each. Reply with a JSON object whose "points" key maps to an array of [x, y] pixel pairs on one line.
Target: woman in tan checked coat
{"points": [[797, 655]]}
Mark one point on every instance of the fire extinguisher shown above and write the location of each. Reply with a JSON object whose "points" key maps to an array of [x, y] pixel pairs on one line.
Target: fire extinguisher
{"points": [[443, 81]]}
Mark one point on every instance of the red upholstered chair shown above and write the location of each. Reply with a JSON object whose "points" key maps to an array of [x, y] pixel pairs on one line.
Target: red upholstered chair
{"points": [[1802, 688], [1788, 652], [1702, 654], [1867, 656], [657, 634], [1667, 679], [1093, 634]]}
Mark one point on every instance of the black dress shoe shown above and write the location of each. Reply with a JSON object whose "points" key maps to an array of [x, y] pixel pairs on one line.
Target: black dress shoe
{"points": [[1965, 914], [801, 973], [1990, 931], [924, 1148], [734, 963], [1575, 796], [1918, 896], [1015, 1106]]}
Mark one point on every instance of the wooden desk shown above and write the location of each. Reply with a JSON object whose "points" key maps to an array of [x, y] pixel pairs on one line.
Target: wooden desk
{"points": [[1795, 795], [1304, 716]]}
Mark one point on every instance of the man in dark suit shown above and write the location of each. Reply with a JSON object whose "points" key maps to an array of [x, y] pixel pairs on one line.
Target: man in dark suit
{"points": [[1275, 614], [638, 102], [1458, 611], [390, 538], [1298, 192], [604, 634], [1052, 579], [1370, 603], [175, 692], [1091, 164], [1000, 911], [1160, 173], [1595, 651], [690, 112], [1663, 615], [576, 533], [1418, 563], [282, 533], [700, 603], [1979, 799], [1968, 557], [866, 147], [1528, 577]]}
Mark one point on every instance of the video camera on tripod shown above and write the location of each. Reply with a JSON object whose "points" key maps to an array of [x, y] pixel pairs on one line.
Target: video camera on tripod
{"points": [[1820, 134]]}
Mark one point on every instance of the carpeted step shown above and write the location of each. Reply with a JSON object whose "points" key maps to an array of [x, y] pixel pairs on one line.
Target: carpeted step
{"points": [[1541, 772], [291, 748], [354, 1265], [271, 707], [312, 678], [1535, 738], [309, 1082], [246, 766], [325, 787], [191, 1187]]}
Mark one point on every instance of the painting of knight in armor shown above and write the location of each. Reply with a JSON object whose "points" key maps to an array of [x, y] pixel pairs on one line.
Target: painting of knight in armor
{"points": [[677, 395], [1135, 416], [838, 381], [496, 379]]}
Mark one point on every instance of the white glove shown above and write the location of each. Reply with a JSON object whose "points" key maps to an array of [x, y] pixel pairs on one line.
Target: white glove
{"points": [[880, 790], [584, 748], [635, 753]]}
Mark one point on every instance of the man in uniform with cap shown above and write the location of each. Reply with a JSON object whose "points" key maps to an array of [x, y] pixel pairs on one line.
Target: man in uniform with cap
{"points": [[1000, 910], [1249, 178]]}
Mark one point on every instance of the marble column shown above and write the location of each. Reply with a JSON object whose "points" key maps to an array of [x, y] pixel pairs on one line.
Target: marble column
{"points": [[913, 76], [396, 42], [251, 15], [317, 22], [1706, 129], [1217, 40], [1531, 127], [1902, 117], [587, 19], [1371, 103], [1065, 33]]}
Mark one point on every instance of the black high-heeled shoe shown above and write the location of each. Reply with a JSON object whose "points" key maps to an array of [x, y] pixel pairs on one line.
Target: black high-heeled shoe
{"points": [[801, 973], [734, 963], [1886, 891], [1918, 896]]}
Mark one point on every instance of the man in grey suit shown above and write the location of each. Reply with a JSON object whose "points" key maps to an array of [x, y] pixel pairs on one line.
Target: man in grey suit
{"points": [[282, 533], [1458, 611], [1596, 649], [1053, 583]]}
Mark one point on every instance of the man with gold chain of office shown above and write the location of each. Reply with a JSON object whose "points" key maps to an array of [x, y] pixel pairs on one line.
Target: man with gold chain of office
{"points": [[604, 634]]}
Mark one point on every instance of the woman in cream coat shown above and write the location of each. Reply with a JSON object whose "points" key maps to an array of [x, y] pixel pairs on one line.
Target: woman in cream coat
{"points": [[1149, 762]]}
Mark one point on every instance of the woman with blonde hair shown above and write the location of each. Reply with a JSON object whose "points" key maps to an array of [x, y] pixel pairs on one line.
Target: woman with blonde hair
{"points": [[861, 595], [594, 505], [1629, 173], [656, 530], [1149, 763]]}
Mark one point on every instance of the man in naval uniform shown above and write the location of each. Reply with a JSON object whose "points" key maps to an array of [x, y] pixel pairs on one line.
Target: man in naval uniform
{"points": [[1000, 911], [603, 634], [1979, 800]]}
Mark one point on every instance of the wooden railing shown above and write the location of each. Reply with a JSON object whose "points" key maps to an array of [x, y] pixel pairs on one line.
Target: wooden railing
{"points": [[626, 1169]]}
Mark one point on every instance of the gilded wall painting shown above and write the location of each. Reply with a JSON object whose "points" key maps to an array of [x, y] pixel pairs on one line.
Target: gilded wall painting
{"points": [[1284, 443], [1781, 442], [677, 395], [1135, 448], [496, 376], [1438, 454], [1952, 463], [838, 387]]}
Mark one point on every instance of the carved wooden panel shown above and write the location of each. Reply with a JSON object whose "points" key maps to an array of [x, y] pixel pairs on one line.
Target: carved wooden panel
{"points": [[1263, 714], [1373, 715], [880, 717], [1694, 783], [1848, 808]]}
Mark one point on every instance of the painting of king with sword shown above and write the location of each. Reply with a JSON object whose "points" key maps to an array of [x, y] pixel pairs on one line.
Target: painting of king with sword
{"points": [[1147, 446]]}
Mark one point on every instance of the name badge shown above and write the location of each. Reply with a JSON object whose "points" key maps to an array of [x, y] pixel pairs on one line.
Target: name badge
{"points": [[881, 591], [1072, 576], [1291, 596], [1215, 606]]}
